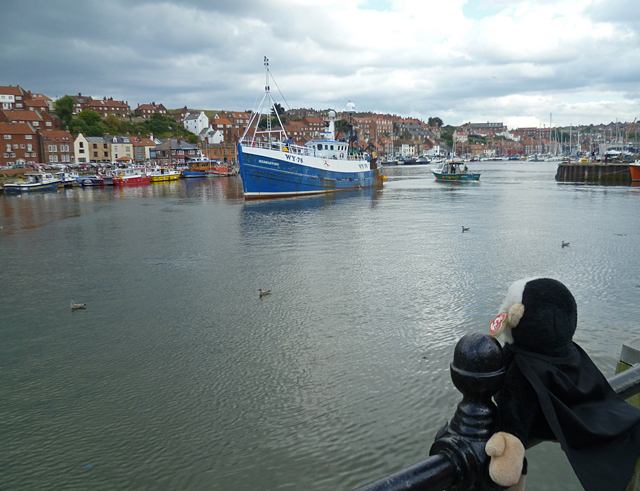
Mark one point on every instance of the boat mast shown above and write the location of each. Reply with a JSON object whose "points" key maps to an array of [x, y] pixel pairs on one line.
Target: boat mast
{"points": [[267, 92]]}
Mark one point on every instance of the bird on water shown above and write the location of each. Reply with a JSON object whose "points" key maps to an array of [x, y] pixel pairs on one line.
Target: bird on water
{"points": [[465, 229], [565, 244], [263, 292], [76, 306]]}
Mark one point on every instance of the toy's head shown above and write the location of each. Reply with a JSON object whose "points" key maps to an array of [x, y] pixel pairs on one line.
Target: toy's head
{"points": [[537, 315]]}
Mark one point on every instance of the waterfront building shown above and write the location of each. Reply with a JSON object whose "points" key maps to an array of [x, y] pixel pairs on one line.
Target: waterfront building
{"points": [[121, 146], [142, 148], [94, 149], [172, 151], [226, 152], [58, 147], [19, 145]]}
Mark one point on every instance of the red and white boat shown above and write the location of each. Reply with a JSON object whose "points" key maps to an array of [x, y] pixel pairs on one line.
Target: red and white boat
{"points": [[635, 171], [131, 175]]}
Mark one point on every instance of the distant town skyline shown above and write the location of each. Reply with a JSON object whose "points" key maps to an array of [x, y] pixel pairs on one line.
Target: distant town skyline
{"points": [[523, 63]]}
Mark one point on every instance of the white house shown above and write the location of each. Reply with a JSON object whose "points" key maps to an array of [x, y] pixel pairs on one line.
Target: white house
{"points": [[195, 123], [209, 136]]}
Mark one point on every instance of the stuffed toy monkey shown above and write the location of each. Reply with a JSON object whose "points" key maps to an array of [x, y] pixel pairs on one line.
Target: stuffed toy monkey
{"points": [[553, 391]]}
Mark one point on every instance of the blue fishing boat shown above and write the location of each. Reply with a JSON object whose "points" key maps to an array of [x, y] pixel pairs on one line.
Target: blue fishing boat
{"points": [[272, 166]]}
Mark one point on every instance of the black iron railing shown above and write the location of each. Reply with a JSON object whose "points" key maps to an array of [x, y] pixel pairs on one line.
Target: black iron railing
{"points": [[458, 459]]}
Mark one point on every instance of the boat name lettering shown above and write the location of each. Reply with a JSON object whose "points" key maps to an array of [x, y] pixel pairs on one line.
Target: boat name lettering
{"points": [[268, 162], [294, 158]]}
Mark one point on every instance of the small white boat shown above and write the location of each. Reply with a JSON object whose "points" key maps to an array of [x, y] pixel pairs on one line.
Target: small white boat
{"points": [[68, 178]]}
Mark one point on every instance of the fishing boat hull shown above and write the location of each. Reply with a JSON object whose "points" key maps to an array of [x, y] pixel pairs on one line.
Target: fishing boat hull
{"points": [[131, 177], [90, 181], [192, 173], [273, 173], [220, 172], [635, 171], [33, 182], [21, 188], [168, 176]]}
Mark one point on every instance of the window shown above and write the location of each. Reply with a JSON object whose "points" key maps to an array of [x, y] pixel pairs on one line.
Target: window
{"points": [[15, 145], [95, 154], [81, 145], [7, 137], [22, 145], [28, 137]]}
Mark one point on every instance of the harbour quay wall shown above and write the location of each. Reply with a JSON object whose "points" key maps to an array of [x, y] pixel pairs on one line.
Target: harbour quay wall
{"points": [[594, 172]]}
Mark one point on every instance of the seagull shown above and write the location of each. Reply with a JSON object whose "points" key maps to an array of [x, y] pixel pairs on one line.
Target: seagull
{"points": [[263, 293], [565, 244], [76, 306], [465, 229]]}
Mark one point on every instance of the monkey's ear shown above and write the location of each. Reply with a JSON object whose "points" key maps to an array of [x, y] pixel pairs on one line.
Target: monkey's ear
{"points": [[516, 311]]}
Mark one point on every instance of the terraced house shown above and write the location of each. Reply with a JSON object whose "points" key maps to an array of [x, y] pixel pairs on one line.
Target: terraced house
{"points": [[19, 145]]}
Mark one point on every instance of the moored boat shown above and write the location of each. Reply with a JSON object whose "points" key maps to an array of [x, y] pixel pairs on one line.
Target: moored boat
{"points": [[94, 180], [272, 166], [160, 174], [107, 177], [634, 168], [131, 175], [221, 170], [33, 181], [188, 173], [68, 178], [454, 170]]}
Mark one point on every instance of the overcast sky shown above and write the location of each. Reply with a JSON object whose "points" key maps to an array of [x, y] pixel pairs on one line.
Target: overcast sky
{"points": [[516, 62]]}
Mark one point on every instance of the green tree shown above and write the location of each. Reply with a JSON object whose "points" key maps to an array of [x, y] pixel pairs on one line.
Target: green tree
{"points": [[64, 109], [159, 124], [90, 117], [435, 122], [113, 125], [96, 130], [78, 126], [342, 128]]}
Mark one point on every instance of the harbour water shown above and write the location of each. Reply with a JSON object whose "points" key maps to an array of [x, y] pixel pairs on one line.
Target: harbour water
{"points": [[177, 376]]}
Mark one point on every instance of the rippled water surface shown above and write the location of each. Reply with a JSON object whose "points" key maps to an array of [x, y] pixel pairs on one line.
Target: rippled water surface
{"points": [[178, 376]]}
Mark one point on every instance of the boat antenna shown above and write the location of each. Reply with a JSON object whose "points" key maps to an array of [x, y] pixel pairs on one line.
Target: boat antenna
{"points": [[279, 91]]}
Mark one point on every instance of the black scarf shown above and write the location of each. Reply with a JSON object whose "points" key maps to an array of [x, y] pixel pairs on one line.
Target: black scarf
{"points": [[599, 431]]}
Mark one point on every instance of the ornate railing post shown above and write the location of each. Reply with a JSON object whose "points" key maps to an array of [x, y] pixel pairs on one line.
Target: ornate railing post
{"points": [[458, 459], [477, 372]]}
